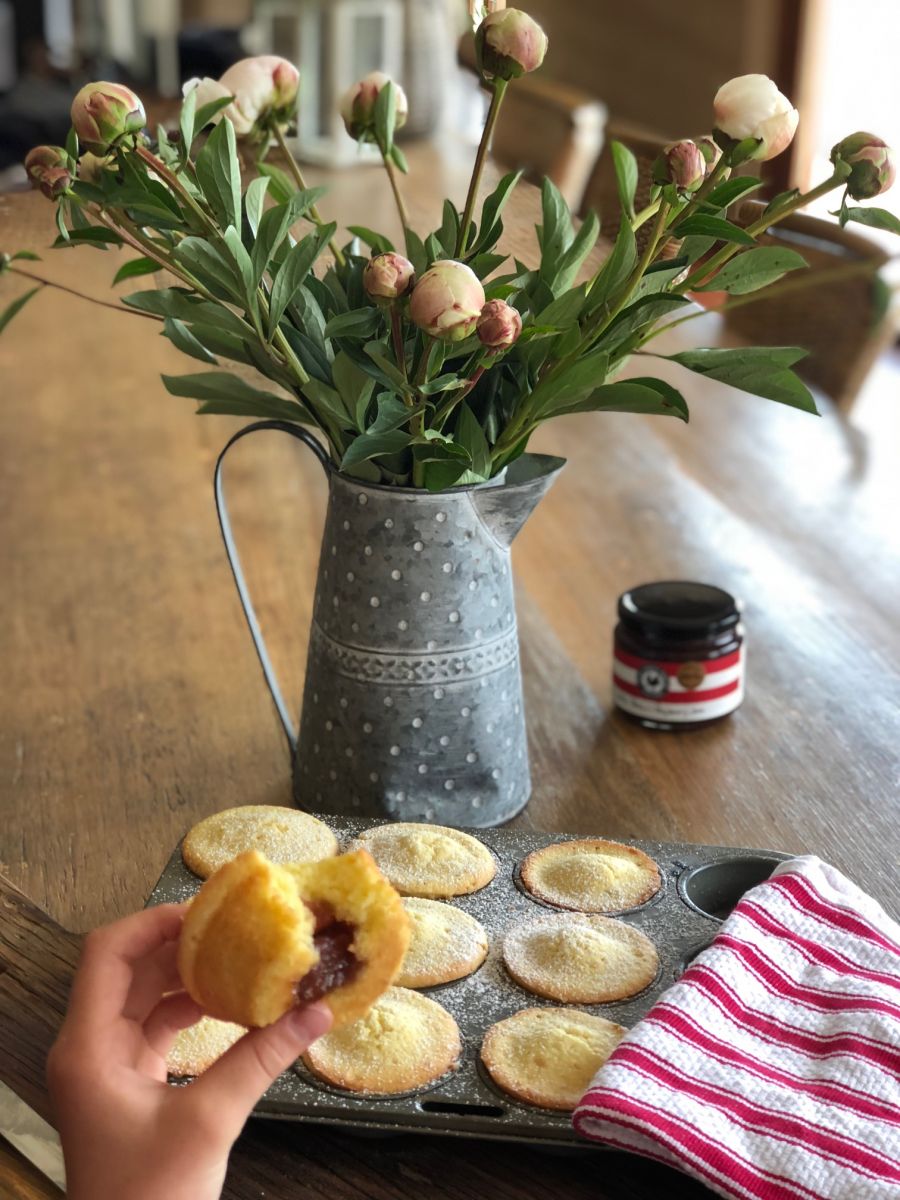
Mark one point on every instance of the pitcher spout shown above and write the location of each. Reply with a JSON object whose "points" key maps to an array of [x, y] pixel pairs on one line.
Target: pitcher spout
{"points": [[506, 507]]}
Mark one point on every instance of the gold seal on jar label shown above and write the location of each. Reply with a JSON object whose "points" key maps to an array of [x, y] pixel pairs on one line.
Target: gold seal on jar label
{"points": [[691, 674]]}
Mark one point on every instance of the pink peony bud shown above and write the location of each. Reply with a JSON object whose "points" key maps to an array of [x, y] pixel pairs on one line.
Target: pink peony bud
{"points": [[105, 113], [358, 106], [751, 106], [871, 161], [683, 164], [509, 43], [48, 169], [388, 276], [710, 151], [499, 325], [447, 301], [264, 90]]}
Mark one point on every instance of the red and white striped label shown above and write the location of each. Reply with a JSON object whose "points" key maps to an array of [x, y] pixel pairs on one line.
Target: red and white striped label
{"points": [[661, 690]]}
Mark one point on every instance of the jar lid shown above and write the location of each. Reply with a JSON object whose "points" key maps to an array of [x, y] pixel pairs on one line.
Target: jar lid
{"points": [[678, 608]]}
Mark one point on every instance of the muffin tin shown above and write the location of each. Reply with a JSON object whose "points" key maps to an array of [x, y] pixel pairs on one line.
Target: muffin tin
{"points": [[700, 886]]}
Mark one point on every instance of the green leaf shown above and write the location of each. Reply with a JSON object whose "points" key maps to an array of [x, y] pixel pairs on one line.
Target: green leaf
{"points": [[484, 264], [354, 387], [693, 248], [28, 255], [186, 121], [181, 337], [243, 267], [875, 218], [572, 260], [293, 271], [72, 145], [724, 194], [762, 370], [562, 388], [137, 266], [563, 312], [490, 227], [700, 225], [471, 437], [556, 230], [281, 186], [442, 383], [207, 264], [385, 116], [254, 200], [93, 235], [272, 408], [658, 276], [378, 242], [375, 351], [223, 392], [206, 112], [219, 174], [357, 323], [650, 396], [370, 445], [275, 224], [616, 269], [645, 311], [754, 269], [782, 198], [449, 229], [415, 251], [626, 168], [391, 413], [175, 302], [16, 306], [399, 158]]}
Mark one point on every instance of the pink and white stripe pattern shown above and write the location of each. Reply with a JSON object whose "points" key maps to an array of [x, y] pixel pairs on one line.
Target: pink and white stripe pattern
{"points": [[771, 1070]]}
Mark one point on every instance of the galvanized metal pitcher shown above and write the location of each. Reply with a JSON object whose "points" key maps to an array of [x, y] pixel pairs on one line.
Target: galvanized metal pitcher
{"points": [[412, 707]]}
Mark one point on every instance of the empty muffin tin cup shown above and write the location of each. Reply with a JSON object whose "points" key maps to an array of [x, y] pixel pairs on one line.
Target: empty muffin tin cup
{"points": [[715, 888]]}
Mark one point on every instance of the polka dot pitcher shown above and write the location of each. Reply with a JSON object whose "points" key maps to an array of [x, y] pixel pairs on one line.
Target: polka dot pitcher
{"points": [[412, 706]]}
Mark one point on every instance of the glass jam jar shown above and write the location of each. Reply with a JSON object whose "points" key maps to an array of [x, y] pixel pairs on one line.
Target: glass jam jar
{"points": [[678, 656]]}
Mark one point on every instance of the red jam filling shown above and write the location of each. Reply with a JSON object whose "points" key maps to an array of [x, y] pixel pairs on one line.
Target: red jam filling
{"points": [[337, 963]]}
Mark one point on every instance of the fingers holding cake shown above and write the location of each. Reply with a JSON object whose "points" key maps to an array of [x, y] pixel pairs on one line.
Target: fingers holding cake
{"points": [[260, 938]]}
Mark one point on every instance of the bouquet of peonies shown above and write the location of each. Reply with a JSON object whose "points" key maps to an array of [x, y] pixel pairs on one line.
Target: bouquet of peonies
{"points": [[430, 365]]}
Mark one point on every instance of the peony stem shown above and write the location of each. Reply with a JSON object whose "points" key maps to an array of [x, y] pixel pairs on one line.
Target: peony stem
{"points": [[395, 187], [499, 91], [706, 269], [294, 168], [83, 295], [397, 339]]}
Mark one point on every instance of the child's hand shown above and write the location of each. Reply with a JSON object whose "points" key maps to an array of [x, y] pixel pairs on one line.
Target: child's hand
{"points": [[125, 1131]]}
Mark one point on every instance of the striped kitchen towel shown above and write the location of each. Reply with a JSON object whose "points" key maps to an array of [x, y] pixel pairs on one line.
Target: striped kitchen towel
{"points": [[771, 1069]]}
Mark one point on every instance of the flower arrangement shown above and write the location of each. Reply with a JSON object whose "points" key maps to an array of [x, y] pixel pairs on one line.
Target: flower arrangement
{"points": [[431, 365]]}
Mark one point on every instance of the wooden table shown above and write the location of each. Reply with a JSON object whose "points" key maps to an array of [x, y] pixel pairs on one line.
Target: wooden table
{"points": [[132, 702]]}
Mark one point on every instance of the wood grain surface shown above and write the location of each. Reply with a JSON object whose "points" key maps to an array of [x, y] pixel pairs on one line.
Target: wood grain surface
{"points": [[132, 702]]}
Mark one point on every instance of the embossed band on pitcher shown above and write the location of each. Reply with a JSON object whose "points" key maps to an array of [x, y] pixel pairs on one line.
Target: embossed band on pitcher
{"points": [[374, 666]]}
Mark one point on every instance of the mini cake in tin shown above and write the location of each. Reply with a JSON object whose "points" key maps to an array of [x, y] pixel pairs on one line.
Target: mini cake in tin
{"points": [[580, 958], [283, 835], [548, 1056], [405, 1041], [445, 943], [196, 1048], [591, 875], [429, 860]]}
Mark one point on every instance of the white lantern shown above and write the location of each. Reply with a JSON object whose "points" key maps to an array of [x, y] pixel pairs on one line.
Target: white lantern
{"points": [[334, 43]]}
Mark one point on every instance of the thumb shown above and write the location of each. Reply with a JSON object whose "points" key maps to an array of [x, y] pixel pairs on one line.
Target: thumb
{"points": [[233, 1085]]}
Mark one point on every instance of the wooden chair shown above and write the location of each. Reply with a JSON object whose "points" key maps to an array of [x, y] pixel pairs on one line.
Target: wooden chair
{"points": [[547, 129], [601, 192], [838, 317]]}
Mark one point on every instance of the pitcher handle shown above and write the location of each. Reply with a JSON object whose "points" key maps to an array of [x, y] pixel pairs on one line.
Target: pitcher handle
{"points": [[235, 562]]}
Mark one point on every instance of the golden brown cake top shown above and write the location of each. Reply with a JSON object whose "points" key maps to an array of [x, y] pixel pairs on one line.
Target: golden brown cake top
{"points": [[445, 943], [429, 860], [548, 1056], [283, 835], [591, 875]]}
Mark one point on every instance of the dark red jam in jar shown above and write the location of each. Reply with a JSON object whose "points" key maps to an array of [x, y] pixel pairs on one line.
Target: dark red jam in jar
{"points": [[678, 658]]}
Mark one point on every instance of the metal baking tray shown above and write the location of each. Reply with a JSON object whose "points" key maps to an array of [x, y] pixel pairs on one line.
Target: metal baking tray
{"points": [[700, 886]]}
